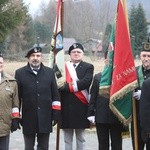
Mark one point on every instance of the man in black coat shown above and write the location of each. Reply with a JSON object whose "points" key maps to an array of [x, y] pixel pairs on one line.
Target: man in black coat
{"points": [[143, 73], [145, 112], [39, 99], [74, 96], [107, 125]]}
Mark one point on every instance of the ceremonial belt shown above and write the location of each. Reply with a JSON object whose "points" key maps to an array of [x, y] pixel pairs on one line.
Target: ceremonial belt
{"points": [[71, 78]]}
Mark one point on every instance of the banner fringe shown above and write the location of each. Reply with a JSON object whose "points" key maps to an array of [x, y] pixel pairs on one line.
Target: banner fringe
{"points": [[121, 118], [126, 89], [105, 91]]}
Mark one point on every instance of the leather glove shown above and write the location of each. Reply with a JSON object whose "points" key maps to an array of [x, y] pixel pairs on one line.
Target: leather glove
{"points": [[56, 117], [91, 119], [137, 94], [15, 124]]}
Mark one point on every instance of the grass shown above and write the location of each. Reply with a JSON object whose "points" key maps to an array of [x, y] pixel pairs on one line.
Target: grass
{"points": [[10, 67]]}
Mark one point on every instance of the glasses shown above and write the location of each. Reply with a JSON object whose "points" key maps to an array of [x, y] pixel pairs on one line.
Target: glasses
{"points": [[144, 55], [73, 52]]}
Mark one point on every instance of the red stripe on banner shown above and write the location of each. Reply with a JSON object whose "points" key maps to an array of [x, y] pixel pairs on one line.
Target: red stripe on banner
{"points": [[57, 14], [124, 71], [78, 94], [69, 79], [71, 88], [81, 97]]}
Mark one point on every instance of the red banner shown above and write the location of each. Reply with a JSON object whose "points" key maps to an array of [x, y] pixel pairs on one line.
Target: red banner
{"points": [[124, 72]]}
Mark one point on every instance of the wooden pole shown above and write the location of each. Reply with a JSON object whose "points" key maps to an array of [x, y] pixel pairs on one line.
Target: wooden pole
{"points": [[135, 125], [58, 124], [57, 137]]}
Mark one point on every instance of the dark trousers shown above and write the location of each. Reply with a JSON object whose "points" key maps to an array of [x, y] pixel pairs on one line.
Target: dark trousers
{"points": [[141, 143], [42, 141], [148, 144], [4, 142], [104, 131]]}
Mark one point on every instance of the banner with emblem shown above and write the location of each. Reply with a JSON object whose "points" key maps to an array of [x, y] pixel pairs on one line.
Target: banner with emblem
{"points": [[123, 73], [56, 56]]}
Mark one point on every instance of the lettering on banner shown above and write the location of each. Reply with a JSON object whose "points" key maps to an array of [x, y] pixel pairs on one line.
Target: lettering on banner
{"points": [[125, 73]]}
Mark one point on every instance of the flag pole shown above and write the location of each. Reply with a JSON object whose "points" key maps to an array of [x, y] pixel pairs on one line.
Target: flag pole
{"points": [[57, 136], [135, 124], [58, 124], [134, 107]]}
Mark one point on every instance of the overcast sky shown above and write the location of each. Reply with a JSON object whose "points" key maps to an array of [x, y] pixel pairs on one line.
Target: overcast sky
{"points": [[34, 5]]}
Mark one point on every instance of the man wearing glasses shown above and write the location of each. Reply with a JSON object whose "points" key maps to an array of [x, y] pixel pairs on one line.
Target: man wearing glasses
{"points": [[74, 96]]}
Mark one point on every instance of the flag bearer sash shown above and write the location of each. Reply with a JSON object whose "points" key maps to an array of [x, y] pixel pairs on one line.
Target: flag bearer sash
{"points": [[71, 79]]}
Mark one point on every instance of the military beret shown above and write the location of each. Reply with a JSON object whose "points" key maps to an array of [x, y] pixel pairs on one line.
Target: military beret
{"points": [[146, 46], [74, 46], [35, 49]]}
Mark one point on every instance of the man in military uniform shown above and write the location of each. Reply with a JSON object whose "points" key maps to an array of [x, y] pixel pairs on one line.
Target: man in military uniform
{"points": [[143, 72], [9, 106]]}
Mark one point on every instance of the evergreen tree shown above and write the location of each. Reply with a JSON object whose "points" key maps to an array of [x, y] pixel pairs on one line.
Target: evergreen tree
{"points": [[10, 17], [42, 31], [138, 26]]}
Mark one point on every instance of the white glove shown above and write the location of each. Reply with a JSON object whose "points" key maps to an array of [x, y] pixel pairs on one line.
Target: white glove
{"points": [[91, 119], [137, 94]]}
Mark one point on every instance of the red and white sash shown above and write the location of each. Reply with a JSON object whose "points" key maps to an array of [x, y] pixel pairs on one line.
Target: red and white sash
{"points": [[71, 78]]}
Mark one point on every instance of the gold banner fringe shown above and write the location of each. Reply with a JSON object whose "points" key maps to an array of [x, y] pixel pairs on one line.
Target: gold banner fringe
{"points": [[105, 91], [126, 89], [120, 116]]}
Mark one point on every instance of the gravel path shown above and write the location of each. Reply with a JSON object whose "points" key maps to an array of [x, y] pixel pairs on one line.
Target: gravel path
{"points": [[16, 141]]}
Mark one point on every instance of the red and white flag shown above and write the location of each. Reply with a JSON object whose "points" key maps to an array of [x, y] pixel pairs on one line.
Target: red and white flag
{"points": [[56, 56]]}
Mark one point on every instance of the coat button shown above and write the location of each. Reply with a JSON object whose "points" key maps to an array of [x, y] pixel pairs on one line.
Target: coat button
{"points": [[37, 81], [39, 108], [38, 94]]}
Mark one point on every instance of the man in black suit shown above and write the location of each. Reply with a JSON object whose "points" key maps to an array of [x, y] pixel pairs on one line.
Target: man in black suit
{"points": [[145, 101], [145, 112], [143, 73], [108, 127], [74, 96], [39, 98]]}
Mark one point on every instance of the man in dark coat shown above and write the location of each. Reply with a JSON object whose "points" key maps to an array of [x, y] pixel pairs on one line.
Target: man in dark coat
{"points": [[143, 73], [107, 125], [145, 112], [39, 98], [74, 96]]}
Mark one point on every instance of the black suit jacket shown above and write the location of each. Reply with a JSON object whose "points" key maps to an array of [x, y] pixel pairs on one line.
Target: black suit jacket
{"points": [[145, 106], [36, 93], [74, 112], [99, 105]]}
